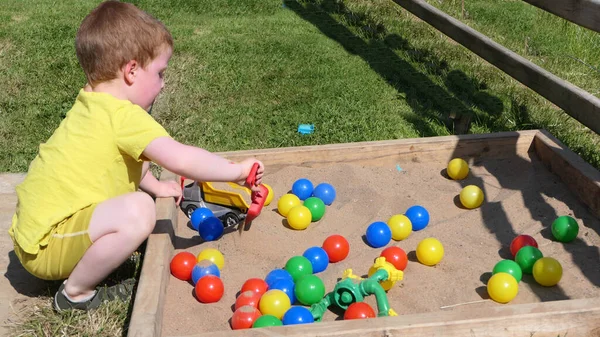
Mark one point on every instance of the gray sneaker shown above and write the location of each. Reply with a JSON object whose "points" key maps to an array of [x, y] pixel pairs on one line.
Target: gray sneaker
{"points": [[120, 291]]}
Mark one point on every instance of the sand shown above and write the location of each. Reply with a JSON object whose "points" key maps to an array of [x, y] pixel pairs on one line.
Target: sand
{"points": [[522, 197]]}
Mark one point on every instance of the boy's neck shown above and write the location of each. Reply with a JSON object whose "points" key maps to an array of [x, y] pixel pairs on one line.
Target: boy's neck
{"points": [[113, 88]]}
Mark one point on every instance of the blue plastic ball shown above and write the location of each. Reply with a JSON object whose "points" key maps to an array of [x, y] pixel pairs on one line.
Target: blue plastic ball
{"points": [[203, 268], [297, 315], [211, 228], [325, 192], [419, 217], [378, 234], [302, 188], [287, 286], [277, 274], [318, 258], [199, 215]]}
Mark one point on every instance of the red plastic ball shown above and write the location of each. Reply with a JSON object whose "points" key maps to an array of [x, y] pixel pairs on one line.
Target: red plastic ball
{"points": [[359, 310], [209, 289], [396, 256], [244, 317], [257, 285], [520, 242], [248, 297], [337, 248], [182, 265]]}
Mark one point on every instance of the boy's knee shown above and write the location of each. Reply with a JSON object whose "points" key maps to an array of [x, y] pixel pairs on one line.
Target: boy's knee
{"points": [[143, 211]]}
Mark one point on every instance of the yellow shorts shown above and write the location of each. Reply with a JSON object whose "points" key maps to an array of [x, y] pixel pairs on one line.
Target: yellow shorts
{"points": [[67, 243]]}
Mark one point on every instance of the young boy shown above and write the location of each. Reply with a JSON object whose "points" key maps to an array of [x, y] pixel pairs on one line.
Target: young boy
{"points": [[79, 213]]}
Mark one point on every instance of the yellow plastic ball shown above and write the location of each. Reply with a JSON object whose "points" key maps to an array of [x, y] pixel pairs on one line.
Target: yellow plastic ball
{"points": [[457, 169], [269, 196], [274, 302], [400, 226], [547, 271], [212, 255], [287, 202], [471, 196], [502, 287], [299, 217], [430, 251]]}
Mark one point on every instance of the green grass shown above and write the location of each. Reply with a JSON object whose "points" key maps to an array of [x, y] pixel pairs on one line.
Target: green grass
{"points": [[245, 73]]}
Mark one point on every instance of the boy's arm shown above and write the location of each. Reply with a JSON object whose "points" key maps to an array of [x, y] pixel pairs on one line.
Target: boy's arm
{"points": [[149, 183], [192, 162]]}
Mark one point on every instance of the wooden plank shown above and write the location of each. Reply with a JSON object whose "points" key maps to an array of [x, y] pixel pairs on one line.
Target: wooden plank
{"points": [[382, 153], [579, 317], [585, 13], [576, 102], [581, 178], [146, 318]]}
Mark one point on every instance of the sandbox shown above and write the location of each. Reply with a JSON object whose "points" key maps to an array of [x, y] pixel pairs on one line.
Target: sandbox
{"points": [[529, 178]]}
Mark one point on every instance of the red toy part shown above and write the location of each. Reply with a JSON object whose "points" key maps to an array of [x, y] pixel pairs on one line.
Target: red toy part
{"points": [[257, 197], [247, 298], [244, 317], [209, 289], [396, 256], [359, 310], [257, 285], [520, 242], [182, 265], [337, 248]]}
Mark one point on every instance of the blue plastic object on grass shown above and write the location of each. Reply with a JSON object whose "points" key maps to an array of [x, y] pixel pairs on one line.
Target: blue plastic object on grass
{"points": [[306, 129]]}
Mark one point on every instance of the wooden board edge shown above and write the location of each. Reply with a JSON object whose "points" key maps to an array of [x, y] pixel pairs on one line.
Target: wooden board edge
{"points": [[581, 12], [581, 178], [147, 313]]}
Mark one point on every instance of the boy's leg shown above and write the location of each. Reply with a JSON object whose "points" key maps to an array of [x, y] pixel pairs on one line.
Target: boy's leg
{"points": [[117, 228]]}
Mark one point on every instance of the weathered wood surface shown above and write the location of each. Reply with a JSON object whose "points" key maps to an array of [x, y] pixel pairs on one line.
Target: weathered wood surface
{"points": [[585, 13]]}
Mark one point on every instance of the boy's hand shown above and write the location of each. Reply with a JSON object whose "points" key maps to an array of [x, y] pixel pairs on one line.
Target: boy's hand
{"points": [[247, 167], [169, 189]]}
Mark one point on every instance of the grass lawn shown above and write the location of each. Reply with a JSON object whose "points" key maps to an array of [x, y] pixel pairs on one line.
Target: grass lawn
{"points": [[245, 73]]}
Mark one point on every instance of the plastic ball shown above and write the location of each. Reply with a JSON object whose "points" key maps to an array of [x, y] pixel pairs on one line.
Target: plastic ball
{"points": [[182, 265], [266, 321], [259, 286], [400, 226], [337, 248], [396, 256], [471, 196], [203, 268], [309, 290], [274, 302], [302, 188], [359, 310], [209, 289], [430, 251], [277, 274], [286, 203], [547, 271], [520, 242], [244, 317], [298, 266], [213, 255], [378, 234], [502, 287], [418, 216], [199, 215], [318, 258], [247, 298], [325, 192], [299, 217], [297, 315], [565, 228], [509, 267], [287, 286], [316, 207], [526, 258], [211, 229], [269, 196], [457, 169]]}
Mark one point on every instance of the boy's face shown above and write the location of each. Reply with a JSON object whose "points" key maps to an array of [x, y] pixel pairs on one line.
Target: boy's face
{"points": [[150, 80]]}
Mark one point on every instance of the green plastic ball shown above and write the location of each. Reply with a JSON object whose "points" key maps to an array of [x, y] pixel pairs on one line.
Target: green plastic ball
{"points": [[526, 258], [565, 228], [266, 320], [298, 266], [316, 207], [309, 290], [509, 267]]}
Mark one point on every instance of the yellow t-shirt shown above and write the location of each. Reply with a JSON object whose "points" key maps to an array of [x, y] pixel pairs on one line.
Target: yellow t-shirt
{"points": [[94, 155]]}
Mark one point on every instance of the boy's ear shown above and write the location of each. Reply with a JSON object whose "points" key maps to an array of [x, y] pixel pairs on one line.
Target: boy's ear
{"points": [[130, 71]]}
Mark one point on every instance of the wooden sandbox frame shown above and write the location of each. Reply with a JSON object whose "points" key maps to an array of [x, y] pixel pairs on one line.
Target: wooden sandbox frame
{"points": [[579, 317]]}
